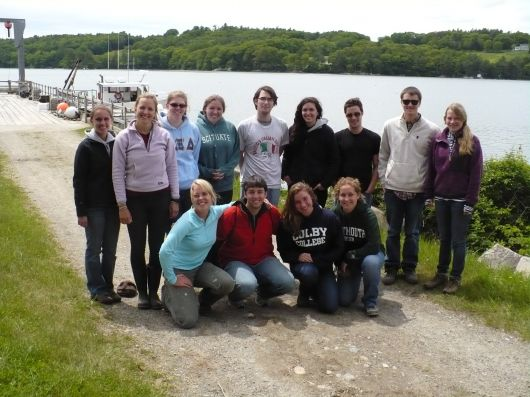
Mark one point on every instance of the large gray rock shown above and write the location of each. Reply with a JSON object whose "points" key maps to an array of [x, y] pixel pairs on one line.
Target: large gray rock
{"points": [[523, 266], [498, 257]]}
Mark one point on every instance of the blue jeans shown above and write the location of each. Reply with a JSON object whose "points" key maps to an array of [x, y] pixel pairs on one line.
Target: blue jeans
{"points": [[318, 284], [452, 228], [370, 272], [269, 278], [100, 255], [397, 212]]}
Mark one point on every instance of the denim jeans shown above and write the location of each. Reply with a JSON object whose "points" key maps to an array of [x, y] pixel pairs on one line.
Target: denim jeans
{"points": [[370, 272], [397, 212], [183, 303], [321, 285], [269, 278], [100, 255], [150, 212], [452, 228]]}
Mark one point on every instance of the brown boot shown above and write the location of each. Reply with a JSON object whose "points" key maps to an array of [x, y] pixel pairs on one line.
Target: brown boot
{"points": [[438, 280], [452, 286]]}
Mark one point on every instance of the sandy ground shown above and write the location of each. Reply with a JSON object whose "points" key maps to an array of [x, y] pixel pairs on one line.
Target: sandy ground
{"points": [[414, 348]]}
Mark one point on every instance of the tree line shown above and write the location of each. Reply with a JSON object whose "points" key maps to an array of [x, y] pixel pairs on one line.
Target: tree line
{"points": [[477, 53]]}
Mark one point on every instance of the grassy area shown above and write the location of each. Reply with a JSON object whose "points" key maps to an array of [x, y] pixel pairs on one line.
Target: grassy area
{"points": [[50, 338], [500, 297], [495, 56]]}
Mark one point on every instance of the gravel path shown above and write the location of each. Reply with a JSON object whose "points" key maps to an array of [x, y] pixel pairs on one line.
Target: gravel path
{"points": [[414, 348]]}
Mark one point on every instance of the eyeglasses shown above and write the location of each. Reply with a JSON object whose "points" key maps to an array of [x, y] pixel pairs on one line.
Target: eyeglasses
{"points": [[178, 105], [352, 115], [265, 99], [410, 101]]}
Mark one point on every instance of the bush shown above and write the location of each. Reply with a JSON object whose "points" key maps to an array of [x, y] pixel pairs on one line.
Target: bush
{"points": [[502, 214]]}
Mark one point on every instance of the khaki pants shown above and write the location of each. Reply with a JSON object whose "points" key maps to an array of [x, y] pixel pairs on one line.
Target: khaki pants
{"points": [[183, 302]]}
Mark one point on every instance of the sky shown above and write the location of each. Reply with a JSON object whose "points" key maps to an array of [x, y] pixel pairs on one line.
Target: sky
{"points": [[373, 18]]}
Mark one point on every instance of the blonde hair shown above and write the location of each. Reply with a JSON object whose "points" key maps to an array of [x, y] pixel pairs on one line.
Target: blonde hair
{"points": [[291, 217], [148, 96], [100, 107], [465, 140], [353, 182], [206, 186]]}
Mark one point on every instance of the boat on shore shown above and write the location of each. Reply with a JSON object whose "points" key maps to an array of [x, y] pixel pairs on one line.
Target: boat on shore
{"points": [[116, 90]]}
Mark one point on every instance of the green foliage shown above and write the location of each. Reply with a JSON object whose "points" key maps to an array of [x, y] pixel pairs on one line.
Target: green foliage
{"points": [[450, 53], [50, 338], [502, 214]]}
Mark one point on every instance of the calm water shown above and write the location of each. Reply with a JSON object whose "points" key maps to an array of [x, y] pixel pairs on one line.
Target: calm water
{"points": [[498, 110]]}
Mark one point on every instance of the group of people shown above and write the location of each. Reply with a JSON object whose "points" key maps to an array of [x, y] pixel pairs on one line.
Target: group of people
{"points": [[171, 182]]}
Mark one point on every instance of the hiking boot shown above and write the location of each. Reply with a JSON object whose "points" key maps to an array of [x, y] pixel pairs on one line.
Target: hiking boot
{"points": [[411, 277], [438, 280], [143, 302], [390, 277], [103, 298], [260, 301], [452, 286], [115, 297], [372, 311], [154, 301]]}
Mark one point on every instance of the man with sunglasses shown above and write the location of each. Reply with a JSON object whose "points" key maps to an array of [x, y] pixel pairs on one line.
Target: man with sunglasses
{"points": [[358, 149], [403, 159]]}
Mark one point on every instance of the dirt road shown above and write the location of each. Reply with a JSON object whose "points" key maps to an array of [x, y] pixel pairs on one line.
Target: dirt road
{"points": [[414, 348]]}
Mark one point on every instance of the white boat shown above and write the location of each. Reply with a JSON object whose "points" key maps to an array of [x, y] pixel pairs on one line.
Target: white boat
{"points": [[120, 90]]}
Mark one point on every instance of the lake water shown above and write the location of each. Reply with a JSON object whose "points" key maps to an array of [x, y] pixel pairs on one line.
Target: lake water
{"points": [[498, 110]]}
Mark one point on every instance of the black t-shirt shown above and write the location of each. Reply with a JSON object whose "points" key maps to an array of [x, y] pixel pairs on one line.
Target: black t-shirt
{"points": [[356, 154]]}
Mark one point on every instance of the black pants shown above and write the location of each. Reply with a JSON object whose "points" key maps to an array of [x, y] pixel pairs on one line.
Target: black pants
{"points": [[150, 218]]}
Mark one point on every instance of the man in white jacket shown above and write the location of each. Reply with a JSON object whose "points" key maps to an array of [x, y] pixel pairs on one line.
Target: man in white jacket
{"points": [[403, 157]]}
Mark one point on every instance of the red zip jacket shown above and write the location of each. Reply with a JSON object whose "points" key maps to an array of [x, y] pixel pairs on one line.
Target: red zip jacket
{"points": [[244, 237]]}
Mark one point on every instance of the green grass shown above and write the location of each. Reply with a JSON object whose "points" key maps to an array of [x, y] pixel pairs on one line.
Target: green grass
{"points": [[499, 297], [51, 343], [495, 56]]}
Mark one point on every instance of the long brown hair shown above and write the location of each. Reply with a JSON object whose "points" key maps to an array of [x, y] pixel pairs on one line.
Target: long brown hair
{"points": [[465, 141], [291, 217]]}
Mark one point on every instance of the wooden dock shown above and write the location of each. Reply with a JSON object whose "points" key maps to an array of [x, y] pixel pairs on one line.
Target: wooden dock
{"points": [[17, 111]]}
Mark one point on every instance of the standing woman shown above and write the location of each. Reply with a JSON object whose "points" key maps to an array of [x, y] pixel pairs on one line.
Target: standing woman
{"points": [[183, 257], [96, 205], [455, 172], [312, 155], [310, 240], [219, 153], [187, 140], [144, 172], [363, 254]]}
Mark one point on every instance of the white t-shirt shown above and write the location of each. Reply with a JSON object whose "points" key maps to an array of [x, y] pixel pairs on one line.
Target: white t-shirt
{"points": [[261, 145]]}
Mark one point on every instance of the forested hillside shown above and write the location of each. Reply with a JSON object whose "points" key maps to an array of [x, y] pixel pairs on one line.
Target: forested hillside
{"points": [[486, 53]]}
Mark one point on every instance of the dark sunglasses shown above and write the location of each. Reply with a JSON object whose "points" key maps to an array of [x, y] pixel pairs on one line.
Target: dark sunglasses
{"points": [[178, 105], [351, 115], [410, 101]]}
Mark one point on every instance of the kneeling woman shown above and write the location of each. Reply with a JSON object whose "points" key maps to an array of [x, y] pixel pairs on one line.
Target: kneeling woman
{"points": [[182, 258], [310, 240], [363, 252]]}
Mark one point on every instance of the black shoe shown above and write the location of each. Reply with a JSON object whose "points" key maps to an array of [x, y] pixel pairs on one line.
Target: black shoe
{"points": [[390, 277], [411, 277], [144, 302], [304, 300], [205, 309], [103, 298], [437, 281], [115, 297], [154, 301]]}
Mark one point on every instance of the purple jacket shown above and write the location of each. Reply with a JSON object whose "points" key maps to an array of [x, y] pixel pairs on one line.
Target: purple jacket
{"points": [[456, 177], [144, 169]]}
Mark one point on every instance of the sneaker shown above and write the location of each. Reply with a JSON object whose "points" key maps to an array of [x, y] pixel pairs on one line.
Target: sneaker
{"points": [[154, 301], [260, 301], [411, 277], [451, 286], [390, 277], [143, 302], [372, 311], [239, 304], [103, 298], [438, 280], [115, 297]]}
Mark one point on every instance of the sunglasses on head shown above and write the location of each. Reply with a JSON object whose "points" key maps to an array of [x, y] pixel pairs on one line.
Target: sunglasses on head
{"points": [[351, 115], [178, 105], [410, 101]]}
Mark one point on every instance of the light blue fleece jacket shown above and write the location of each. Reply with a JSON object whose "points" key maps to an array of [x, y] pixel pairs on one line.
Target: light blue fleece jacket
{"points": [[187, 140], [189, 241]]}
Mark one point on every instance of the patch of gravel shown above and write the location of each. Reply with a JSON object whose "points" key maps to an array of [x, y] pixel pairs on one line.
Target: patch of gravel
{"points": [[414, 348]]}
